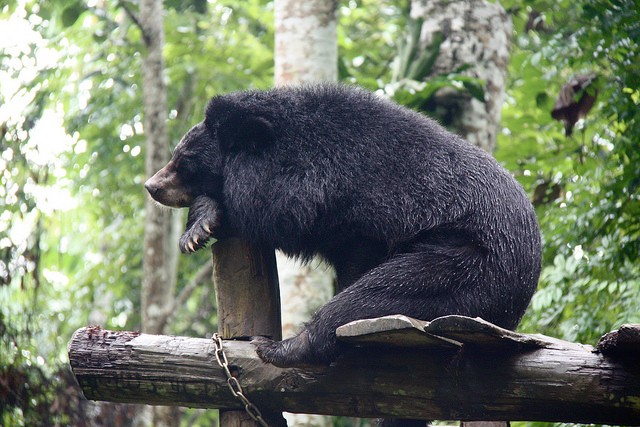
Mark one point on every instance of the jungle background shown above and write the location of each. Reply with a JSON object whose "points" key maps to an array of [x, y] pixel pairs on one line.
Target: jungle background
{"points": [[72, 163]]}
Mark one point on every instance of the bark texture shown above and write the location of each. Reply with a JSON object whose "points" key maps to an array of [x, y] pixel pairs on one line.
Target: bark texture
{"points": [[451, 368], [478, 33], [304, 289], [248, 301], [306, 47], [157, 284], [247, 293], [158, 261]]}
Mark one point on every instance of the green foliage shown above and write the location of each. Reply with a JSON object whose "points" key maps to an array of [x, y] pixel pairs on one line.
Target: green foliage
{"points": [[31, 394], [366, 23], [400, 68], [73, 204], [591, 224], [413, 62], [413, 82]]}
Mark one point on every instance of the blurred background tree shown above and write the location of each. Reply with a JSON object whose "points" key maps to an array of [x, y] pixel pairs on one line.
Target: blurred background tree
{"points": [[72, 205], [306, 50]]}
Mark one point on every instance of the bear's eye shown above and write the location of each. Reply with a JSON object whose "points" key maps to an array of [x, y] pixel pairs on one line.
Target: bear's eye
{"points": [[186, 169]]}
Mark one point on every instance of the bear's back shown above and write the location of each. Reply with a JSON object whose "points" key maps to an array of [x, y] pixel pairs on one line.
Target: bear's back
{"points": [[347, 162]]}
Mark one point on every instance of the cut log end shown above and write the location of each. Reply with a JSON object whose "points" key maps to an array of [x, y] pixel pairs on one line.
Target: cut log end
{"points": [[625, 342]]}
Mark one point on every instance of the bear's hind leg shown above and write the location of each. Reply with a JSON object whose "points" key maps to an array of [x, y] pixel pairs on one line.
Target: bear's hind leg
{"points": [[433, 281]]}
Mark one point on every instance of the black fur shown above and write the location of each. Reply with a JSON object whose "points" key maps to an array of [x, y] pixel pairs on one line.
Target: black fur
{"points": [[414, 219]]}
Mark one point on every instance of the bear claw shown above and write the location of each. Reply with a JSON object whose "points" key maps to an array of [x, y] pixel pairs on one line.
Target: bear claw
{"points": [[202, 222], [190, 243]]}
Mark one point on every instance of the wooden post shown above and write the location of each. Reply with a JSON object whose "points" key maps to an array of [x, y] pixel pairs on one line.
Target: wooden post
{"points": [[248, 301]]}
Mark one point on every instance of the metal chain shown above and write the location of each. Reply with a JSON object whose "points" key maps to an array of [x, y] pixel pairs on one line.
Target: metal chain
{"points": [[234, 384]]}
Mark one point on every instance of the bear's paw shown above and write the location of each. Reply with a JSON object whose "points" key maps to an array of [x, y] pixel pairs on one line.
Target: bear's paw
{"points": [[202, 222]]}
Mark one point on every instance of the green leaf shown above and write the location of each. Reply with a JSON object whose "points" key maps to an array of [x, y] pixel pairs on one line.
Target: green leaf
{"points": [[422, 65], [475, 88], [71, 14]]}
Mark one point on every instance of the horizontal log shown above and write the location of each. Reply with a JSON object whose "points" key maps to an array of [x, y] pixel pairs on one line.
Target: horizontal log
{"points": [[537, 380]]}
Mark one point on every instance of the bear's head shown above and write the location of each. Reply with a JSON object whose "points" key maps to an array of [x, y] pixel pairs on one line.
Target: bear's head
{"points": [[194, 169], [198, 162]]}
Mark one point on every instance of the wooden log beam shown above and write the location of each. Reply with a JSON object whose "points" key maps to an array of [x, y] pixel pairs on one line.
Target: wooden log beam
{"points": [[464, 369]]}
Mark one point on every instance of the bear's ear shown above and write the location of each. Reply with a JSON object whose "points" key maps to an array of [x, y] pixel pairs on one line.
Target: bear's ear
{"points": [[242, 133]]}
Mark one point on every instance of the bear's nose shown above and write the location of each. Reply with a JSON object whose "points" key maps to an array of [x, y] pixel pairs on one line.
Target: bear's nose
{"points": [[151, 187]]}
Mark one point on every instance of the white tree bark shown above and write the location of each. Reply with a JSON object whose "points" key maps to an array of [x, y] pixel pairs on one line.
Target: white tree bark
{"points": [[306, 47], [158, 282], [304, 288], [477, 32], [306, 50]]}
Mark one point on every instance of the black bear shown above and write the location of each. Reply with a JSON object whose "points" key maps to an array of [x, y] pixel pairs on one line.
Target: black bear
{"points": [[415, 220]]}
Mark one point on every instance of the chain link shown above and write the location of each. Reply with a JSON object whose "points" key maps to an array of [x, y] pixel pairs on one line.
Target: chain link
{"points": [[234, 384]]}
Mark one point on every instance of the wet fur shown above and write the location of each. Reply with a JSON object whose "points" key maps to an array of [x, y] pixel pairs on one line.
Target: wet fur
{"points": [[415, 220]]}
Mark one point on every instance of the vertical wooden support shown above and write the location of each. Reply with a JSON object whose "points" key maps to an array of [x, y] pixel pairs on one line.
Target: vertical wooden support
{"points": [[248, 300]]}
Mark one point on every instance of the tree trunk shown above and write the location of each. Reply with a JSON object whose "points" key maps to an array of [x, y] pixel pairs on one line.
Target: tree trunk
{"points": [[158, 281], [306, 50], [156, 286], [306, 46], [477, 33]]}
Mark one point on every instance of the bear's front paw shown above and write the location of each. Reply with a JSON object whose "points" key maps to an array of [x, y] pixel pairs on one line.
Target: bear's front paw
{"points": [[195, 238], [202, 222]]}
